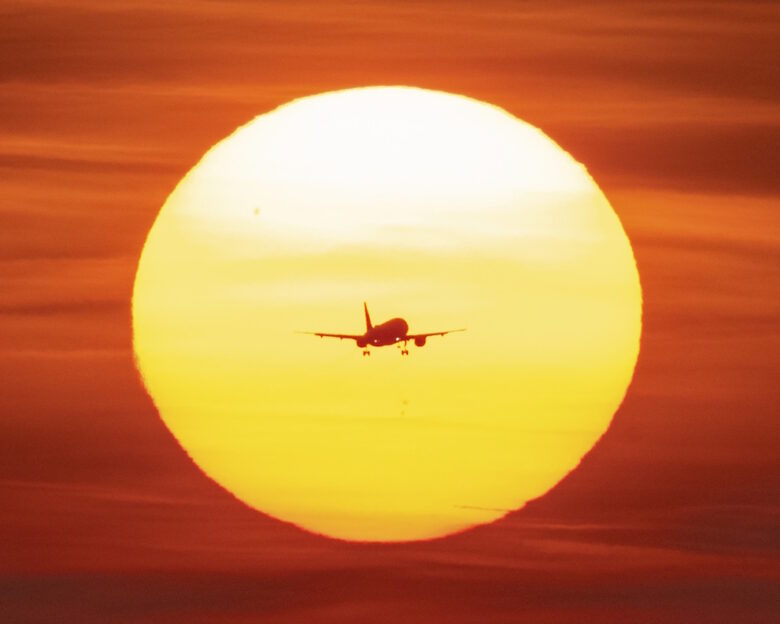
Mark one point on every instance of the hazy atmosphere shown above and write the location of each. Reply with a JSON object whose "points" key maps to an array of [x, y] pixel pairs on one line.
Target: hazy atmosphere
{"points": [[673, 108]]}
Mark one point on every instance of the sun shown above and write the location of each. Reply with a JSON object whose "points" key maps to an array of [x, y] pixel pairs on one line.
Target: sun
{"points": [[435, 207]]}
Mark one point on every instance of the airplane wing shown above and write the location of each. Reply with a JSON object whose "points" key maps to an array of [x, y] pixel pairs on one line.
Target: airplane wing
{"points": [[440, 333], [339, 336]]}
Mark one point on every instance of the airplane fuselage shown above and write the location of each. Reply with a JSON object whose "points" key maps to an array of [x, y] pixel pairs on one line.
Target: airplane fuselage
{"points": [[388, 333]]}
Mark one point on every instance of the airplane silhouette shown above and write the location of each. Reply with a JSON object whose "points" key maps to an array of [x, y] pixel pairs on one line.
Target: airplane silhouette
{"points": [[390, 332]]}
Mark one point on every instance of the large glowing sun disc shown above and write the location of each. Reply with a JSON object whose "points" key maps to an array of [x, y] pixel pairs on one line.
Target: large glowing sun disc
{"points": [[438, 208]]}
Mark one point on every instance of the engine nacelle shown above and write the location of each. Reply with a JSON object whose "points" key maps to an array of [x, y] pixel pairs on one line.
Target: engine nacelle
{"points": [[362, 342], [420, 341]]}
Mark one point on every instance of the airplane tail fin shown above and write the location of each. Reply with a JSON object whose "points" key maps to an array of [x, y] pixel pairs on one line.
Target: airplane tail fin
{"points": [[368, 318]]}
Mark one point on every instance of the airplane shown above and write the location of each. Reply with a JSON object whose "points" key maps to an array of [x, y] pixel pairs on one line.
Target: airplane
{"points": [[390, 332]]}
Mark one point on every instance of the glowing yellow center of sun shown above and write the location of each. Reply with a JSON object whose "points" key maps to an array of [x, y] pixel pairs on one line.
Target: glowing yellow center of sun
{"points": [[433, 207]]}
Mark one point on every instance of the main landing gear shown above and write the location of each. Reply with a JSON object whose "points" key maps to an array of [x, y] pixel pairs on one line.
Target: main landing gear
{"points": [[366, 352], [404, 350]]}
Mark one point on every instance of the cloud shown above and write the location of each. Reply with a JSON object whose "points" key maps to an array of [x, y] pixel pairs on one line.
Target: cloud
{"points": [[662, 97], [383, 590]]}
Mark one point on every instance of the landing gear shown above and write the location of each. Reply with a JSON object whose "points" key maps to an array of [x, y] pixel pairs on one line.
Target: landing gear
{"points": [[404, 350], [366, 352]]}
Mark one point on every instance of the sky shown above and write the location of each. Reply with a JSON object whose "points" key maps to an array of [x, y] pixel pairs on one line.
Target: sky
{"points": [[673, 107]]}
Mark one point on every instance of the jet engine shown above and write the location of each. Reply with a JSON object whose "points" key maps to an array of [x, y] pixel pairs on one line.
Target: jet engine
{"points": [[420, 341], [362, 342]]}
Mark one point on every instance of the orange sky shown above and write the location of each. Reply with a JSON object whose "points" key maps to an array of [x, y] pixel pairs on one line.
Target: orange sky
{"points": [[674, 109]]}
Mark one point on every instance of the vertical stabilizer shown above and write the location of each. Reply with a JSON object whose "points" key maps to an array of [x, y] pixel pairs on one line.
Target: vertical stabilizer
{"points": [[368, 318]]}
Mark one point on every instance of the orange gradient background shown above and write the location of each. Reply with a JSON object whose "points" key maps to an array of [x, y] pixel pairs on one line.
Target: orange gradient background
{"points": [[673, 107]]}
